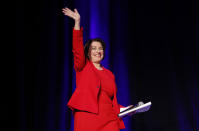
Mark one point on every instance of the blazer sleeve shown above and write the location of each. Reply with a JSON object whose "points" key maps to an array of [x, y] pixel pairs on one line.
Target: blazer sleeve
{"points": [[78, 49]]}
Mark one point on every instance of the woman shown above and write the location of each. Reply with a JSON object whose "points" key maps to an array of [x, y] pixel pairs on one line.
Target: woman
{"points": [[94, 103]]}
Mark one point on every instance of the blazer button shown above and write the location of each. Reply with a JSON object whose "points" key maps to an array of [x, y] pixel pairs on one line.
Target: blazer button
{"points": [[97, 86]]}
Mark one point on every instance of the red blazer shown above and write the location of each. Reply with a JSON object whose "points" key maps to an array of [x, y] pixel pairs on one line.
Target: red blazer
{"points": [[85, 96]]}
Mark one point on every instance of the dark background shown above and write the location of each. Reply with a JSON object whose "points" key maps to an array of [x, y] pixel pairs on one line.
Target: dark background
{"points": [[153, 50]]}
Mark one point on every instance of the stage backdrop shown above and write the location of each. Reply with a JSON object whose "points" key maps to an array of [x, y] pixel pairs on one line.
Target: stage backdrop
{"points": [[152, 48]]}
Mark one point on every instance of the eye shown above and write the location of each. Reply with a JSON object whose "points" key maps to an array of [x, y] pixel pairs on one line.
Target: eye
{"points": [[93, 48], [101, 48]]}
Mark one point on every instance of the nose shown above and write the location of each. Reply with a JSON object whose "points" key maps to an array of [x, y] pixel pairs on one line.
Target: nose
{"points": [[98, 50]]}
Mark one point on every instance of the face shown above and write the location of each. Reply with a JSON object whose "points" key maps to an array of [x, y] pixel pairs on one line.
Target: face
{"points": [[96, 52]]}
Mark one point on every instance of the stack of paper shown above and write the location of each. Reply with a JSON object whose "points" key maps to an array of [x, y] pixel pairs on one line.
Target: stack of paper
{"points": [[135, 109]]}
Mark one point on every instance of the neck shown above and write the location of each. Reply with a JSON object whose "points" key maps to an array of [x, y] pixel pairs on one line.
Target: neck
{"points": [[97, 65]]}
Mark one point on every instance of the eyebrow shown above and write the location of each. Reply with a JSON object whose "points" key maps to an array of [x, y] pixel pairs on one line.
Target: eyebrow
{"points": [[96, 46]]}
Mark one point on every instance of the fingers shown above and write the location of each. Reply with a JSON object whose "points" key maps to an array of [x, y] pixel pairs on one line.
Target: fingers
{"points": [[140, 103], [130, 106], [64, 10], [76, 11], [73, 14], [68, 12]]}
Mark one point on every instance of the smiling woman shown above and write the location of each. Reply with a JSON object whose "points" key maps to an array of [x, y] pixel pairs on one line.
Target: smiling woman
{"points": [[94, 103], [95, 50], [96, 54]]}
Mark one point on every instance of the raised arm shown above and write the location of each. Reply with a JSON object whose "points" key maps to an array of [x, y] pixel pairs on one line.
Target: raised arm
{"points": [[78, 47]]}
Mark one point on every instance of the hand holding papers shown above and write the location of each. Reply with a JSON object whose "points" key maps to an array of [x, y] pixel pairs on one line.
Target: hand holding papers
{"points": [[141, 107]]}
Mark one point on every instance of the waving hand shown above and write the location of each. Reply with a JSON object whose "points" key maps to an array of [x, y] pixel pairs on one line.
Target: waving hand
{"points": [[74, 15]]}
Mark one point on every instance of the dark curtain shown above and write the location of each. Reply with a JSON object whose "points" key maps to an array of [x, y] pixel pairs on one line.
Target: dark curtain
{"points": [[152, 48]]}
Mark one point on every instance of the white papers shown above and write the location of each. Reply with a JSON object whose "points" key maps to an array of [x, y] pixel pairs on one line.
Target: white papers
{"points": [[134, 110], [125, 108]]}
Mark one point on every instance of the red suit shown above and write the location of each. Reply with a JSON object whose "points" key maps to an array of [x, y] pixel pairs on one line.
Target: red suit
{"points": [[94, 101]]}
